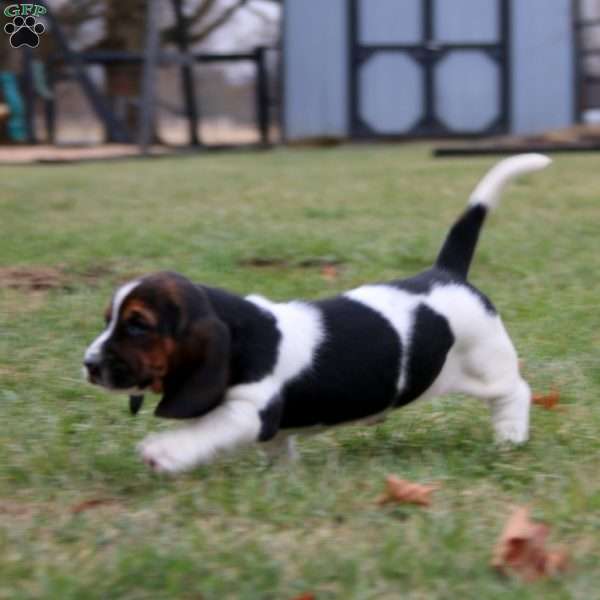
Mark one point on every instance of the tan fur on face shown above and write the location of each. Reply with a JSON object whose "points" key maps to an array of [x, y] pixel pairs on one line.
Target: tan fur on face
{"points": [[136, 306], [166, 343], [153, 358], [156, 361]]}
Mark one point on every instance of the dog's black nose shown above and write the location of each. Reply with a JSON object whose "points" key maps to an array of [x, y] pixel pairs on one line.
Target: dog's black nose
{"points": [[93, 369]]}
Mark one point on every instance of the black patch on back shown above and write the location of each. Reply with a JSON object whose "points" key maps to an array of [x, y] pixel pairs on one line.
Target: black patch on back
{"points": [[254, 336], [355, 370], [429, 346]]}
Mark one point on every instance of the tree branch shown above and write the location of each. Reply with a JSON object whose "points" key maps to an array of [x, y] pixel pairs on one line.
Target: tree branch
{"points": [[217, 22], [201, 12], [170, 34], [75, 14]]}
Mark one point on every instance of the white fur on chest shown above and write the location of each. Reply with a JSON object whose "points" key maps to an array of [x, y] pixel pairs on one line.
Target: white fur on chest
{"points": [[302, 331]]}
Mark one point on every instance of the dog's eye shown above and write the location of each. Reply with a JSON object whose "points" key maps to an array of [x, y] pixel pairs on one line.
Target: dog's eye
{"points": [[136, 327]]}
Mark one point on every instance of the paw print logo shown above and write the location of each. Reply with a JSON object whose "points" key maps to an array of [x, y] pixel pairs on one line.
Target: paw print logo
{"points": [[24, 32]]}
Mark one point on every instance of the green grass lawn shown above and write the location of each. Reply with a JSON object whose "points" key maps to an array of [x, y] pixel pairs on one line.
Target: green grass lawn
{"points": [[243, 529]]}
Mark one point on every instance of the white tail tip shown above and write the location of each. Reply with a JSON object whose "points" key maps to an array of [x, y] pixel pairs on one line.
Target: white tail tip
{"points": [[488, 190]]}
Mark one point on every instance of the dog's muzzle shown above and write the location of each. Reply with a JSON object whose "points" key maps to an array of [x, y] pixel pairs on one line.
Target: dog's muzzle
{"points": [[93, 371], [112, 372]]}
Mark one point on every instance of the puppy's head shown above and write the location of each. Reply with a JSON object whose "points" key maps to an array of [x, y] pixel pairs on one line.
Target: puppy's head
{"points": [[162, 334]]}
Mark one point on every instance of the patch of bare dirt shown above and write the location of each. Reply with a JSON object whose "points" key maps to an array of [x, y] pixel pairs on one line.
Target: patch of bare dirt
{"points": [[581, 137], [14, 509], [329, 267], [95, 274], [306, 263], [44, 278], [16, 154], [569, 135], [32, 278], [93, 503]]}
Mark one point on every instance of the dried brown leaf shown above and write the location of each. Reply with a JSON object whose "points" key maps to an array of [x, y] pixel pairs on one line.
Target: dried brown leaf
{"points": [[329, 272], [403, 491], [521, 548], [91, 503], [548, 401]]}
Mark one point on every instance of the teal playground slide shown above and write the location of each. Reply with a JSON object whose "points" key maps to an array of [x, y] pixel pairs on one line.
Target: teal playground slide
{"points": [[17, 128]]}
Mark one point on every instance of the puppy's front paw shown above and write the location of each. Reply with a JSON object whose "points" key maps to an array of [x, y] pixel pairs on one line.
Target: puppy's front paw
{"points": [[511, 432], [510, 415], [165, 453]]}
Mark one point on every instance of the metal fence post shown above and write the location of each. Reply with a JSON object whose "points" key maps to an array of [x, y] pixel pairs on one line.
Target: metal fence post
{"points": [[152, 47], [262, 95], [113, 124], [187, 78]]}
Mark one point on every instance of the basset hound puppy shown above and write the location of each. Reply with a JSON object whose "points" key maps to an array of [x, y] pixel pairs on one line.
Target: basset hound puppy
{"points": [[245, 369]]}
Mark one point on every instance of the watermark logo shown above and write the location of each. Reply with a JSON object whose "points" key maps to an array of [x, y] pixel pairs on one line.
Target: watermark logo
{"points": [[24, 30]]}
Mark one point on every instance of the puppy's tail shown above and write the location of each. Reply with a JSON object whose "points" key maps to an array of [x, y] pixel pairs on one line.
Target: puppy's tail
{"points": [[458, 249]]}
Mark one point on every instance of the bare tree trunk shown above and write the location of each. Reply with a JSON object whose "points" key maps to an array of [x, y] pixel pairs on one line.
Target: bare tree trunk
{"points": [[125, 28]]}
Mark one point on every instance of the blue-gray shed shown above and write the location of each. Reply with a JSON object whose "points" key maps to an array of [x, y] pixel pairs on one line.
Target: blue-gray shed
{"points": [[387, 68]]}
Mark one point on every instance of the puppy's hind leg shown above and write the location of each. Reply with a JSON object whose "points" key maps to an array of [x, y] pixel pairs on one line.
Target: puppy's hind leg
{"points": [[490, 371], [509, 403], [509, 395], [510, 414]]}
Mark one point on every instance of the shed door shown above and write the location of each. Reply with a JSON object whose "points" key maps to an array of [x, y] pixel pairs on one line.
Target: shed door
{"points": [[428, 67]]}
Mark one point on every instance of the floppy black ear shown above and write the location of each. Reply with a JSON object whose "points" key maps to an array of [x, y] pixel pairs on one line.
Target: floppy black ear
{"points": [[198, 382]]}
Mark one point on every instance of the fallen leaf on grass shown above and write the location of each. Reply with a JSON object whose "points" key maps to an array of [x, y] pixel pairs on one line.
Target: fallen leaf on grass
{"points": [[14, 509], [329, 272], [521, 549], [547, 401], [403, 491], [259, 261], [92, 503]]}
